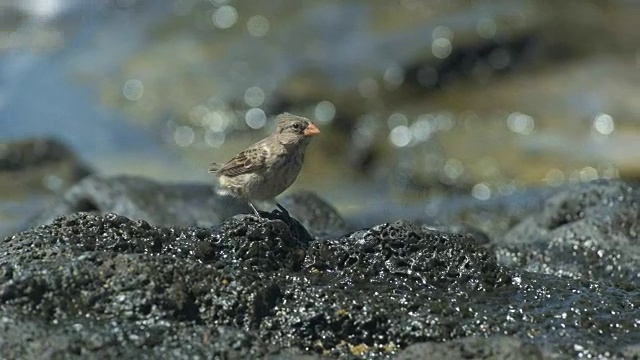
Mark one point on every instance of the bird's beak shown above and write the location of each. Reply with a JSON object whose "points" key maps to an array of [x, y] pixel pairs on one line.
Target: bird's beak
{"points": [[311, 130]]}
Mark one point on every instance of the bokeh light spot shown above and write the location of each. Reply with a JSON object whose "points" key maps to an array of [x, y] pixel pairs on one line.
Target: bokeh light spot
{"points": [[216, 120], [255, 118], [453, 169], [422, 129], [520, 123], [254, 96], [133, 89], [258, 25], [481, 191], [184, 136], [400, 136], [555, 177], [397, 119], [325, 111], [213, 138], [603, 123], [225, 17], [53, 183], [441, 48], [393, 77], [588, 173], [197, 114], [442, 32], [444, 121]]}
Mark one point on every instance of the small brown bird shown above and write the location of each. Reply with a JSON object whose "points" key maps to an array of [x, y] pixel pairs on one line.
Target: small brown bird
{"points": [[268, 167]]}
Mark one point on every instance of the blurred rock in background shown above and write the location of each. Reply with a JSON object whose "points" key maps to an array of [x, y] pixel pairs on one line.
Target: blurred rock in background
{"points": [[414, 98]]}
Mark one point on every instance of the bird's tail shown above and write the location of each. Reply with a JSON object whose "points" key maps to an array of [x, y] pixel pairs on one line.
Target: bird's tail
{"points": [[213, 167], [217, 187]]}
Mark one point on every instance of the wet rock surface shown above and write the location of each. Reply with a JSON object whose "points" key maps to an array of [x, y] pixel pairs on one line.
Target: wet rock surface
{"points": [[495, 347], [589, 231], [90, 285]]}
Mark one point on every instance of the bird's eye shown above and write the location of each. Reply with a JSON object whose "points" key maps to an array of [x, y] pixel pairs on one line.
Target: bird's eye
{"points": [[297, 126]]}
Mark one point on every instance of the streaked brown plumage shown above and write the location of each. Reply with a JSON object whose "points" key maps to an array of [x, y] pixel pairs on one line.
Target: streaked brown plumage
{"points": [[268, 167]]}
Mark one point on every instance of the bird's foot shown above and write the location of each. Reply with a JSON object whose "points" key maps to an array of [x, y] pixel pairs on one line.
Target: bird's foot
{"points": [[281, 210]]}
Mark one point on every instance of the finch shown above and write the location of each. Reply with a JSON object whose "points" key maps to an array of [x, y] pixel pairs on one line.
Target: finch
{"points": [[268, 167]]}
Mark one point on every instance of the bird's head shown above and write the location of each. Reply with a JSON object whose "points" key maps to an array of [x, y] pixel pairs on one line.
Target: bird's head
{"points": [[295, 130]]}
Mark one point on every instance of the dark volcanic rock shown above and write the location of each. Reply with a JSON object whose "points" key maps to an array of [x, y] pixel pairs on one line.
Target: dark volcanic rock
{"points": [[246, 273], [590, 231], [106, 286], [409, 256], [248, 243], [495, 347], [32, 153], [22, 338], [32, 173], [109, 286], [319, 217], [34, 164]]}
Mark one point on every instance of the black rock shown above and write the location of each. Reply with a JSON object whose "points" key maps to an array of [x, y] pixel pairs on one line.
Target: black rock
{"points": [[93, 286], [319, 217], [590, 230], [409, 255], [37, 153], [495, 347], [32, 172], [32, 165]]}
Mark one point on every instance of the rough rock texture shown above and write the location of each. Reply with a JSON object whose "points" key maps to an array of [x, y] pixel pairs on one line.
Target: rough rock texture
{"points": [[409, 255], [495, 347], [106, 286], [589, 231]]}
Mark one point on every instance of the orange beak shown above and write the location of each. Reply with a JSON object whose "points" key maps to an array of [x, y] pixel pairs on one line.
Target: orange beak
{"points": [[311, 130]]}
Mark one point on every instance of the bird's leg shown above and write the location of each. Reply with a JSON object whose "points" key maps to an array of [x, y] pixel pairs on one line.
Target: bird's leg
{"points": [[283, 210], [255, 211]]}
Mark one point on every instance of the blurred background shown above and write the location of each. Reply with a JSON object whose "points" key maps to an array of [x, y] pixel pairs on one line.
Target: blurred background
{"points": [[414, 98]]}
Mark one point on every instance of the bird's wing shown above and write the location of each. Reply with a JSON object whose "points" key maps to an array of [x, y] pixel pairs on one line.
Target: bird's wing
{"points": [[252, 159]]}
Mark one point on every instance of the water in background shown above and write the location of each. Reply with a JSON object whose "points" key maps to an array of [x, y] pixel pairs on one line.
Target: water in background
{"points": [[413, 98]]}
